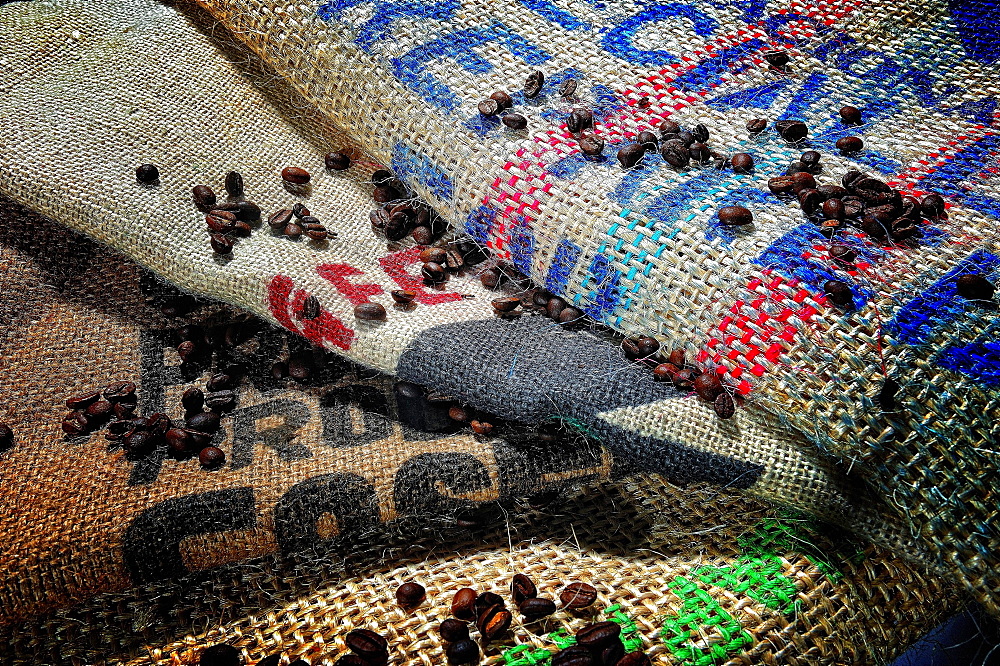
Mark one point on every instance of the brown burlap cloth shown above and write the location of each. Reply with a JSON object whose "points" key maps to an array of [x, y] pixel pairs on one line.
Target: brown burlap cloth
{"points": [[707, 576]]}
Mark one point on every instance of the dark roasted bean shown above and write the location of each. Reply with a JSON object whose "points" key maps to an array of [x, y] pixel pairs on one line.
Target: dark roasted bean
{"points": [[317, 232], [612, 652], [211, 457], [810, 159], [796, 167], [204, 197], [567, 88], [370, 312], [647, 140], [724, 405], [521, 588], [410, 595], [675, 153], [494, 623], [802, 181], [676, 357], [634, 659], [853, 206], [337, 161], [699, 152], [574, 655], [503, 99], [295, 175], [221, 221], [139, 443], [570, 315], [248, 211], [83, 401], [370, 646], [462, 652], [422, 235], [792, 130], [578, 595], [453, 630], [591, 145], [234, 184], [485, 601], [735, 216], [221, 655], [833, 209], [207, 422], [700, 133], [742, 163], [536, 607], [434, 255], [781, 185], [810, 201], [116, 391], [975, 287], [932, 206], [481, 427], [756, 126], [707, 385], [403, 296], [515, 121], [198, 438], [873, 227], [75, 423], [554, 307], [453, 260], [459, 413], [242, 230], [838, 292], [851, 177], [463, 605], [179, 442], [684, 379], [123, 410], [850, 115], [630, 155], [300, 366], [533, 84], [776, 58], [147, 174], [665, 372], [382, 177], [685, 137], [850, 144], [579, 120], [220, 244], [221, 401], [598, 635], [488, 108], [300, 211], [433, 272], [293, 230], [99, 411], [490, 278], [843, 254], [832, 191], [669, 127], [280, 219]]}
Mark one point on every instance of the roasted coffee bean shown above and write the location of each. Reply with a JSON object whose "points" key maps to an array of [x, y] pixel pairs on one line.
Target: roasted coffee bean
{"points": [[742, 163], [337, 161], [463, 605], [481, 427], [708, 386], [382, 177], [199, 439], [139, 442], [665, 372], [685, 137], [207, 422], [403, 296], [221, 401], [179, 442], [669, 127], [853, 206], [872, 227], [385, 194], [370, 312], [158, 424], [570, 315], [684, 379], [647, 140], [503, 99], [975, 287], [634, 659], [536, 607], [792, 130], [802, 181], [98, 411], [234, 184], [248, 211], [850, 144], [591, 145], [647, 346], [435, 255], [453, 630], [630, 155], [220, 221], [810, 159], [75, 423], [433, 272], [490, 278], [838, 292], [410, 595], [598, 635], [147, 174], [932, 206], [515, 121], [756, 126], [459, 413], [850, 115], [574, 655], [300, 367], [6, 437], [310, 309], [368, 645], [485, 601], [578, 595], [521, 588], [462, 652], [295, 175], [676, 357], [700, 133], [541, 297], [280, 219], [675, 153], [904, 230], [204, 197], [211, 457], [318, 232], [494, 623], [242, 230], [612, 652], [221, 244], [300, 211], [83, 401], [699, 152], [294, 230], [795, 167], [221, 655], [851, 177], [397, 226], [735, 216], [422, 235], [810, 201], [554, 307], [832, 191], [453, 260], [567, 88], [843, 254], [488, 108], [724, 406], [533, 84], [833, 209], [116, 391], [781, 185], [776, 58]]}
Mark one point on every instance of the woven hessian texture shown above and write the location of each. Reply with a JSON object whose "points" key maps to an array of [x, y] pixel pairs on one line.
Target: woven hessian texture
{"points": [[642, 249], [751, 587]]}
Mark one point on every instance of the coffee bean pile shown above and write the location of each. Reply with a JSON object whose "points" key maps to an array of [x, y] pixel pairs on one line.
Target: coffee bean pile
{"points": [[226, 221], [6, 437], [674, 368], [299, 221], [500, 104]]}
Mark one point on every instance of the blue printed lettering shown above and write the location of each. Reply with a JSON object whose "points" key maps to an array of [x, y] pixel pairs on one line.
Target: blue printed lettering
{"points": [[384, 14], [618, 40], [417, 168], [553, 13]]}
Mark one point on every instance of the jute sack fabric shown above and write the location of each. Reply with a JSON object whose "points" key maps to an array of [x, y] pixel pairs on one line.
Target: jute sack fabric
{"points": [[703, 576], [642, 249]]}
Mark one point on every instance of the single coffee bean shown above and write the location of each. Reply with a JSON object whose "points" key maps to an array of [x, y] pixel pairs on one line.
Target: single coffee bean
{"points": [[147, 174], [75, 423], [410, 595], [158, 424], [204, 197], [370, 312], [850, 144], [776, 58], [838, 292], [578, 595], [139, 443], [630, 155], [221, 401], [179, 442], [488, 108], [521, 588], [756, 126], [699, 152], [533, 84], [803, 181], [234, 184], [647, 346], [494, 623], [280, 219], [676, 357], [612, 652], [554, 307], [490, 278], [536, 607], [300, 211], [83, 401], [647, 140], [242, 230], [221, 244], [481, 427], [795, 167], [454, 260], [199, 439], [850, 115], [503, 99], [300, 367], [458, 413], [220, 221], [221, 655], [506, 304], [591, 145], [669, 127], [700, 133], [294, 230], [403, 296], [462, 652], [6, 437], [684, 379], [792, 130], [707, 385], [843, 254], [203, 421], [567, 88], [742, 163], [873, 227], [932, 206], [735, 216], [685, 137], [570, 315], [99, 411], [248, 211], [781, 185], [832, 191], [975, 287], [435, 255], [382, 177], [833, 209], [853, 206], [463, 605], [574, 655], [515, 121], [295, 175], [337, 161], [810, 201], [370, 646], [634, 659], [422, 235], [453, 630], [810, 159], [598, 635], [211, 456], [433, 273], [675, 153], [485, 601], [116, 391], [724, 405], [665, 372], [851, 177]]}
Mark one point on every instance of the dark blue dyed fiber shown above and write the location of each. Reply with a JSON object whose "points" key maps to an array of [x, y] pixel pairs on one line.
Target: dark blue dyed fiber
{"points": [[563, 261]]}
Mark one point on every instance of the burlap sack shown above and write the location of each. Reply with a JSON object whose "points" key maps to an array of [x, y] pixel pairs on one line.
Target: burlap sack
{"points": [[693, 576]]}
